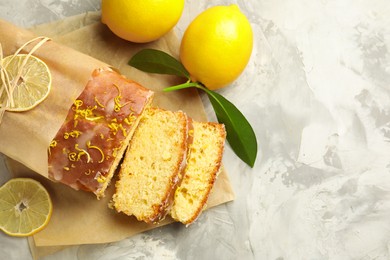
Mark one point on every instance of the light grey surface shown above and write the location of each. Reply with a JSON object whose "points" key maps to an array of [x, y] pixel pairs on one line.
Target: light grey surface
{"points": [[318, 96]]}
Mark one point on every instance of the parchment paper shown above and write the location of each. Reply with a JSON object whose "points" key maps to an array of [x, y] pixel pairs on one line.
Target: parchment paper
{"points": [[78, 218]]}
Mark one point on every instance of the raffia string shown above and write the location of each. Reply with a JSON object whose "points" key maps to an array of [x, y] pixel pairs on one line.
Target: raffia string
{"points": [[8, 85]]}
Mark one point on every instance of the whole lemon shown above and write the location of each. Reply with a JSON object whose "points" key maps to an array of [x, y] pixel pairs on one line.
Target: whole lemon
{"points": [[217, 45], [141, 21]]}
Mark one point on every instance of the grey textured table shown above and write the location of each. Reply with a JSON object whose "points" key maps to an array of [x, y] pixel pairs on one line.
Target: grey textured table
{"points": [[318, 96]]}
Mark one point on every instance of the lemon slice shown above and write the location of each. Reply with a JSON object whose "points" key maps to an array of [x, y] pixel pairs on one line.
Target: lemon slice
{"points": [[25, 207], [28, 82]]}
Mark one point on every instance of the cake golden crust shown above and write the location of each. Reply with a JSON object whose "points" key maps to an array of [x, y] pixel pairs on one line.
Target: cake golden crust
{"points": [[89, 145]]}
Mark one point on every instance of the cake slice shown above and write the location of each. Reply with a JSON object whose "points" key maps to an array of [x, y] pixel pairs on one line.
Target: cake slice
{"points": [[88, 147], [203, 165], [153, 165]]}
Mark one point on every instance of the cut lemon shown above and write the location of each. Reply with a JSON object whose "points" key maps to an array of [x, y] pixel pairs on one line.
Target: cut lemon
{"points": [[25, 82], [25, 207]]}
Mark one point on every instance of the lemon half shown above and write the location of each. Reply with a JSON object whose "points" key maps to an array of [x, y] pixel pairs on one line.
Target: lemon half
{"points": [[33, 85], [25, 207]]}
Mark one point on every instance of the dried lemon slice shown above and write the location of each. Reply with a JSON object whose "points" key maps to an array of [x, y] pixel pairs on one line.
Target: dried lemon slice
{"points": [[25, 207], [26, 82]]}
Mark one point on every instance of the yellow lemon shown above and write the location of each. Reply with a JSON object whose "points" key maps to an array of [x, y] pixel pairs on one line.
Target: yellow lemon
{"points": [[25, 207], [141, 21], [26, 82], [217, 45]]}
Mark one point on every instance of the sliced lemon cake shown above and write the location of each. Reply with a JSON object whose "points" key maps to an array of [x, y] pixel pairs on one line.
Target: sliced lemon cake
{"points": [[153, 165], [203, 164]]}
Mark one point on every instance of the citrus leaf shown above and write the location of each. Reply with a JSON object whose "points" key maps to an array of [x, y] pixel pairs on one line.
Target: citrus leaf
{"points": [[156, 61], [240, 134]]}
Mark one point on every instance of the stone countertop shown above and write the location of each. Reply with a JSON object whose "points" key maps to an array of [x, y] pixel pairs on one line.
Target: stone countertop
{"points": [[317, 94]]}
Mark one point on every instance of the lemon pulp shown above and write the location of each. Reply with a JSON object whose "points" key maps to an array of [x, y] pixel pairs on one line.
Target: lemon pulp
{"points": [[27, 84], [25, 207]]}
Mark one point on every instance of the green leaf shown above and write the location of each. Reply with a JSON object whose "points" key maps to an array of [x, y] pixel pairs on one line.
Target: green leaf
{"points": [[240, 134], [155, 61]]}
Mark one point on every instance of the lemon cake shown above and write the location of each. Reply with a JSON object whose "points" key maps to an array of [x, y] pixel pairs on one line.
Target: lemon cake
{"points": [[153, 165], [203, 165], [88, 147]]}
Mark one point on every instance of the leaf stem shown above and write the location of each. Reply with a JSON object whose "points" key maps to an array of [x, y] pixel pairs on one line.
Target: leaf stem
{"points": [[188, 84]]}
